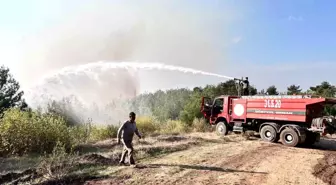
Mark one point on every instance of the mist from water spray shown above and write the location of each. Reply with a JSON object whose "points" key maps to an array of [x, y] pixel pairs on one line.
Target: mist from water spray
{"points": [[105, 65], [99, 90]]}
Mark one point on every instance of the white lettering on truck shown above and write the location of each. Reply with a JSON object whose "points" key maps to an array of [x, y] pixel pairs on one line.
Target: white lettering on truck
{"points": [[272, 103]]}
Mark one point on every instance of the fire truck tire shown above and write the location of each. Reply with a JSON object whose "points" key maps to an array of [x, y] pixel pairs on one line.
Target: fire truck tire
{"points": [[311, 138], [269, 134], [221, 128], [289, 137]]}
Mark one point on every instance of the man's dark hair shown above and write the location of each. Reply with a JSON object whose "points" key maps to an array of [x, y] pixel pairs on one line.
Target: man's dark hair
{"points": [[132, 114]]}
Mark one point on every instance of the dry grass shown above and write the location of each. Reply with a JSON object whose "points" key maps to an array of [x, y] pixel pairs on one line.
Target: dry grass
{"points": [[147, 125], [174, 127], [200, 125], [99, 133], [183, 159], [60, 166]]}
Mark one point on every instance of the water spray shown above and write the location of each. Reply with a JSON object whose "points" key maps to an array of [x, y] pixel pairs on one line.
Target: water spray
{"points": [[121, 81], [105, 65]]}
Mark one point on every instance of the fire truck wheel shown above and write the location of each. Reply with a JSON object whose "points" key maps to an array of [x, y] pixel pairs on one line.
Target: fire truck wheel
{"points": [[289, 137], [221, 128], [269, 134], [311, 138]]}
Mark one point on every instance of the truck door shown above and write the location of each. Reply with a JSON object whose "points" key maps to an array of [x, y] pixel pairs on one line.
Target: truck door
{"points": [[217, 108], [206, 106]]}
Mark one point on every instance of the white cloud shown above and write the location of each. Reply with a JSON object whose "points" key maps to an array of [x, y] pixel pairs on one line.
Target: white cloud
{"points": [[236, 40], [293, 18]]}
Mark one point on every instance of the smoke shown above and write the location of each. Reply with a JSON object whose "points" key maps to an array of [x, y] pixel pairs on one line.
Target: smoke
{"points": [[169, 32]]}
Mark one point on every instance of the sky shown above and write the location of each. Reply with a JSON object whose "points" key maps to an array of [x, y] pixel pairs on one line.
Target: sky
{"points": [[273, 42]]}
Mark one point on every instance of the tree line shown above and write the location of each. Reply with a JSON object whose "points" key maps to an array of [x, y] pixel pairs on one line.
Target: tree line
{"points": [[172, 104], [185, 104]]}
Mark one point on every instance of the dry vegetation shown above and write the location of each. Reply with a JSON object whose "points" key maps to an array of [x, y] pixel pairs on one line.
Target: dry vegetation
{"points": [[72, 152], [171, 152], [34, 132], [88, 161], [202, 157]]}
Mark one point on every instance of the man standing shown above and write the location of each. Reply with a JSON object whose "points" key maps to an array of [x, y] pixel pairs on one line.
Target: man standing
{"points": [[125, 134], [246, 86]]}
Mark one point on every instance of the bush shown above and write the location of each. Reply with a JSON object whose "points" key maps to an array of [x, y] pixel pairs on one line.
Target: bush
{"points": [[80, 133], [147, 125], [200, 125], [33, 132], [112, 130], [58, 164], [103, 132], [174, 126], [25, 132]]}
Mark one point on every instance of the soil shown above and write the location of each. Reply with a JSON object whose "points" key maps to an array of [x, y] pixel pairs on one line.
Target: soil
{"points": [[232, 160], [326, 168], [205, 158]]}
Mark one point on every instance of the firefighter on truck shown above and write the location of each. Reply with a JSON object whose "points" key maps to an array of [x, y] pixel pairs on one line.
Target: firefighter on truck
{"points": [[245, 85]]}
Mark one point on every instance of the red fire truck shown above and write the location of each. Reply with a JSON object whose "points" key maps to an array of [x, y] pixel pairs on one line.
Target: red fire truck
{"points": [[292, 119]]}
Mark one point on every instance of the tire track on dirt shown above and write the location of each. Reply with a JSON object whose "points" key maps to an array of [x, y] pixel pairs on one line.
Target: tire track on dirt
{"points": [[209, 163], [235, 162], [184, 167], [250, 161], [289, 165], [242, 167]]}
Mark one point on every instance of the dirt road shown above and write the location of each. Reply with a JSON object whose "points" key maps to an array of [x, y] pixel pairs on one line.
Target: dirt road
{"points": [[232, 160]]}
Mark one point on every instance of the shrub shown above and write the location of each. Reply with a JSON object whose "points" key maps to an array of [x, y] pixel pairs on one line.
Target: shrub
{"points": [[147, 125], [80, 134], [24, 132], [103, 132], [112, 130], [174, 126], [58, 164], [200, 125], [33, 132]]}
